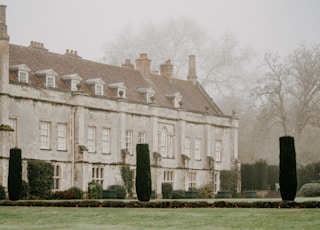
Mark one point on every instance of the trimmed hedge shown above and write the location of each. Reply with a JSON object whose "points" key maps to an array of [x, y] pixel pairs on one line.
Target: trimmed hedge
{"points": [[143, 176], [121, 191], [166, 189], [71, 193], [2, 193], [164, 204], [40, 175], [25, 190], [288, 171], [229, 181], [178, 194], [15, 174]]}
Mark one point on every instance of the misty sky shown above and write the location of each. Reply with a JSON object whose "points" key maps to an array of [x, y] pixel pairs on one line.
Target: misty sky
{"points": [[86, 25]]}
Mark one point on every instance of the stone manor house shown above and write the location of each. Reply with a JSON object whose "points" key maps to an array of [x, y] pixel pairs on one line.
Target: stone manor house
{"points": [[86, 118]]}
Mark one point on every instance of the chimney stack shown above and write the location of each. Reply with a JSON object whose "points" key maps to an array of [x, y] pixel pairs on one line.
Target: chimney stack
{"points": [[143, 64], [4, 50], [3, 25], [166, 69], [192, 76]]}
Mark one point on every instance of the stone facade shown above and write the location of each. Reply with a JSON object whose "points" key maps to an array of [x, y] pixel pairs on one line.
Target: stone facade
{"points": [[86, 118]]}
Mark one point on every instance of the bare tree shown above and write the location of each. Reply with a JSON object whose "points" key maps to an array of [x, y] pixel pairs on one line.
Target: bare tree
{"points": [[290, 91]]}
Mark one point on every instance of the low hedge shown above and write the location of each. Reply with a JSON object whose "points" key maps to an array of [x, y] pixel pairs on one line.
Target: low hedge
{"points": [[162, 204]]}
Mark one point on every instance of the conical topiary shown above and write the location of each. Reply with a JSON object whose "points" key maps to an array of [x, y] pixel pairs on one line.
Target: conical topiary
{"points": [[288, 172], [143, 174], [15, 174]]}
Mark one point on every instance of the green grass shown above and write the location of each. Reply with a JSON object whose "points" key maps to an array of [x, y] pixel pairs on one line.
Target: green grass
{"points": [[148, 218]]}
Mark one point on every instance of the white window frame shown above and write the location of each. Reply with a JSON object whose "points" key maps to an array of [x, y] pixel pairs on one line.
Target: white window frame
{"points": [[106, 133], [21, 78], [192, 176], [197, 148], [57, 177], [50, 81], [97, 174], [45, 135], [62, 136], [218, 150], [141, 137], [91, 139], [98, 89], [168, 176], [128, 141]]}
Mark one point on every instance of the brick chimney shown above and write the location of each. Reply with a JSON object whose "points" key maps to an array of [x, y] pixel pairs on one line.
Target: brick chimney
{"points": [[143, 64], [166, 69], [127, 64], [192, 76]]}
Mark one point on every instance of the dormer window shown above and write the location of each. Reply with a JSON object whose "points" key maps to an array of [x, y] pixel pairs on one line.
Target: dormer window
{"points": [[48, 77], [96, 84], [148, 94], [176, 99], [22, 72], [119, 89], [73, 80]]}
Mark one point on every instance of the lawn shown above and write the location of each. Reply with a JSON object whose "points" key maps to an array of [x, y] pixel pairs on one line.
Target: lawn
{"points": [[148, 218]]}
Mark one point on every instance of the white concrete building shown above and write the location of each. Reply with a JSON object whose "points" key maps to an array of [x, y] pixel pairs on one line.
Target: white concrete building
{"points": [[86, 118]]}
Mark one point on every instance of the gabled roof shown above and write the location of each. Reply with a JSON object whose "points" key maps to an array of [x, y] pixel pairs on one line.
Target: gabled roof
{"points": [[193, 96]]}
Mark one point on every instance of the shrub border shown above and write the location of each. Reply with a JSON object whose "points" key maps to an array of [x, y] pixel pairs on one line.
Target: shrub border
{"points": [[160, 204]]}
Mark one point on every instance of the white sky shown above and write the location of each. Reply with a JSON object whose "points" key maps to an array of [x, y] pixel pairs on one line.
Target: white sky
{"points": [[86, 25]]}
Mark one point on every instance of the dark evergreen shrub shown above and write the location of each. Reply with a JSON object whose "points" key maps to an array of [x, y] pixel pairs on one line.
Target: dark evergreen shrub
{"points": [[247, 177], [229, 181], [25, 190], [94, 190], [260, 175], [121, 191], [178, 194], [77, 192], [166, 189], [127, 177], [2, 193], [273, 176], [206, 191], [15, 174], [287, 173], [310, 189], [40, 179], [143, 174]]}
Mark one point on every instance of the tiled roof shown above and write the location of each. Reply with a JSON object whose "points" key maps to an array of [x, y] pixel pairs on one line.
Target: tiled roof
{"points": [[194, 98]]}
